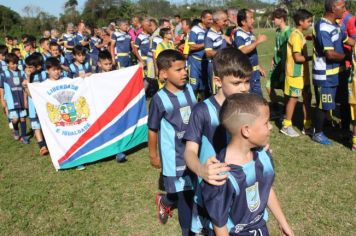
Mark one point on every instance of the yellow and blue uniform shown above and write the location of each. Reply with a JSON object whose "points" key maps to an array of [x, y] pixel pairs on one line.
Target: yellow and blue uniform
{"points": [[242, 38], [93, 50], [241, 202], [142, 43], [204, 129], [328, 36], [123, 48], [154, 41], [297, 74], [163, 46], [196, 59], [213, 41], [70, 39]]}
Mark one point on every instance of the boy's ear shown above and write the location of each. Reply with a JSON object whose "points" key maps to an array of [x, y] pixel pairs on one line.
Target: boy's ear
{"points": [[217, 81], [245, 130], [163, 74]]}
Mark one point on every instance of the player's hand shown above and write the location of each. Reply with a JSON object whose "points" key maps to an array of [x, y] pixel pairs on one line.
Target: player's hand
{"points": [[261, 38], [214, 172], [262, 71], [27, 72], [141, 63], [286, 230], [155, 162], [3, 104], [25, 83]]}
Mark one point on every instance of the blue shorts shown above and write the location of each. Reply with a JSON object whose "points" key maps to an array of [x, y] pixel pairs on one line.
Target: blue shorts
{"points": [[325, 97], [16, 113], [258, 231], [94, 59], [255, 83], [123, 62], [35, 124], [196, 74]]}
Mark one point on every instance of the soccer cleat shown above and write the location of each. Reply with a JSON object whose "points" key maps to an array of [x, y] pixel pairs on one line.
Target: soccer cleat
{"points": [[43, 151], [24, 140], [162, 211], [289, 131], [80, 167], [16, 135], [308, 131], [121, 157], [321, 138]]}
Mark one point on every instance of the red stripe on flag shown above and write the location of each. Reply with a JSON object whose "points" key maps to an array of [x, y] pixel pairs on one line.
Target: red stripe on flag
{"points": [[131, 90]]}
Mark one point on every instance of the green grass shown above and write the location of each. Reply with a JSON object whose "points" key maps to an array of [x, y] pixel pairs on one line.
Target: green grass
{"points": [[315, 185]]}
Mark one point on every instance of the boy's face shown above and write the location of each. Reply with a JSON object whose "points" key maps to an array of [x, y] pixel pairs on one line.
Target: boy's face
{"points": [[306, 24], [12, 65], [231, 85], [261, 128], [277, 22], [185, 27], [45, 45], [207, 20], [54, 50], [105, 65], [169, 35], [79, 58], [30, 69], [18, 54], [176, 75], [54, 73]]}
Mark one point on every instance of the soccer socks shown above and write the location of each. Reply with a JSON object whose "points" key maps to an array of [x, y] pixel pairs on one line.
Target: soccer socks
{"points": [[287, 123], [320, 117], [23, 128], [41, 144]]}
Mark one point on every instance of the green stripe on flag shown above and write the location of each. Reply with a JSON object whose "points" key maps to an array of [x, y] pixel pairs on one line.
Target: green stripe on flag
{"points": [[126, 143]]}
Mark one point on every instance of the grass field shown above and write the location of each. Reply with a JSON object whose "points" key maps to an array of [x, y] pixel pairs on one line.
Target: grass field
{"points": [[315, 184]]}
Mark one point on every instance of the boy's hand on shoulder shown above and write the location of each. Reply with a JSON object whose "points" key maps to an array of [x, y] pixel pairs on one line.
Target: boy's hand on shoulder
{"points": [[25, 83], [212, 171]]}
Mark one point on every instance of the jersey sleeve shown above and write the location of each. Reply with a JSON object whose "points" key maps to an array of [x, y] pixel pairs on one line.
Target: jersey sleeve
{"points": [[239, 41], [218, 201], [296, 43], [138, 42], [186, 47], [208, 43], [2, 80], [155, 114], [196, 123], [324, 39], [192, 38]]}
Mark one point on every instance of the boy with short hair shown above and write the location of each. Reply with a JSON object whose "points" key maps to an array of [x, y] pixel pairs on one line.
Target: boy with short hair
{"points": [[35, 74], [105, 62], [238, 207], [13, 98], [168, 118], [44, 45], [297, 81], [55, 51], [80, 67], [276, 76], [205, 136], [29, 46]]}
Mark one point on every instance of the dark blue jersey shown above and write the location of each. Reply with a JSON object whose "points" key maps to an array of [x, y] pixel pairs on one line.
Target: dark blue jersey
{"points": [[169, 115], [241, 202], [35, 78], [241, 38], [76, 70], [70, 40], [94, 42], [197, 36], [13, 91], [122, 42], [142, 42]]}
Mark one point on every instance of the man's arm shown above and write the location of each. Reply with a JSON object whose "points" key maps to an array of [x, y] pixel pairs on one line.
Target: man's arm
{"points": [[249, 48], [221, 231], [196, 47]]}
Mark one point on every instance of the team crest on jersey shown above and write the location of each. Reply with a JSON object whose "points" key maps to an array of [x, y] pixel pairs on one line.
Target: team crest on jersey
{"points": [[16, 80], [185, 114], [68, 112], [253, 197]]}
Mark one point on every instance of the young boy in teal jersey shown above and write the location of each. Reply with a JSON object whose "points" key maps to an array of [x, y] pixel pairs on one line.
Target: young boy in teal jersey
{"points": [[168, 118], [205, 136], [238, 207]]}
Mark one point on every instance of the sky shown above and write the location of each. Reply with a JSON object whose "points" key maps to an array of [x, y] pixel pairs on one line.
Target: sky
{"points": [[53, 7]]}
